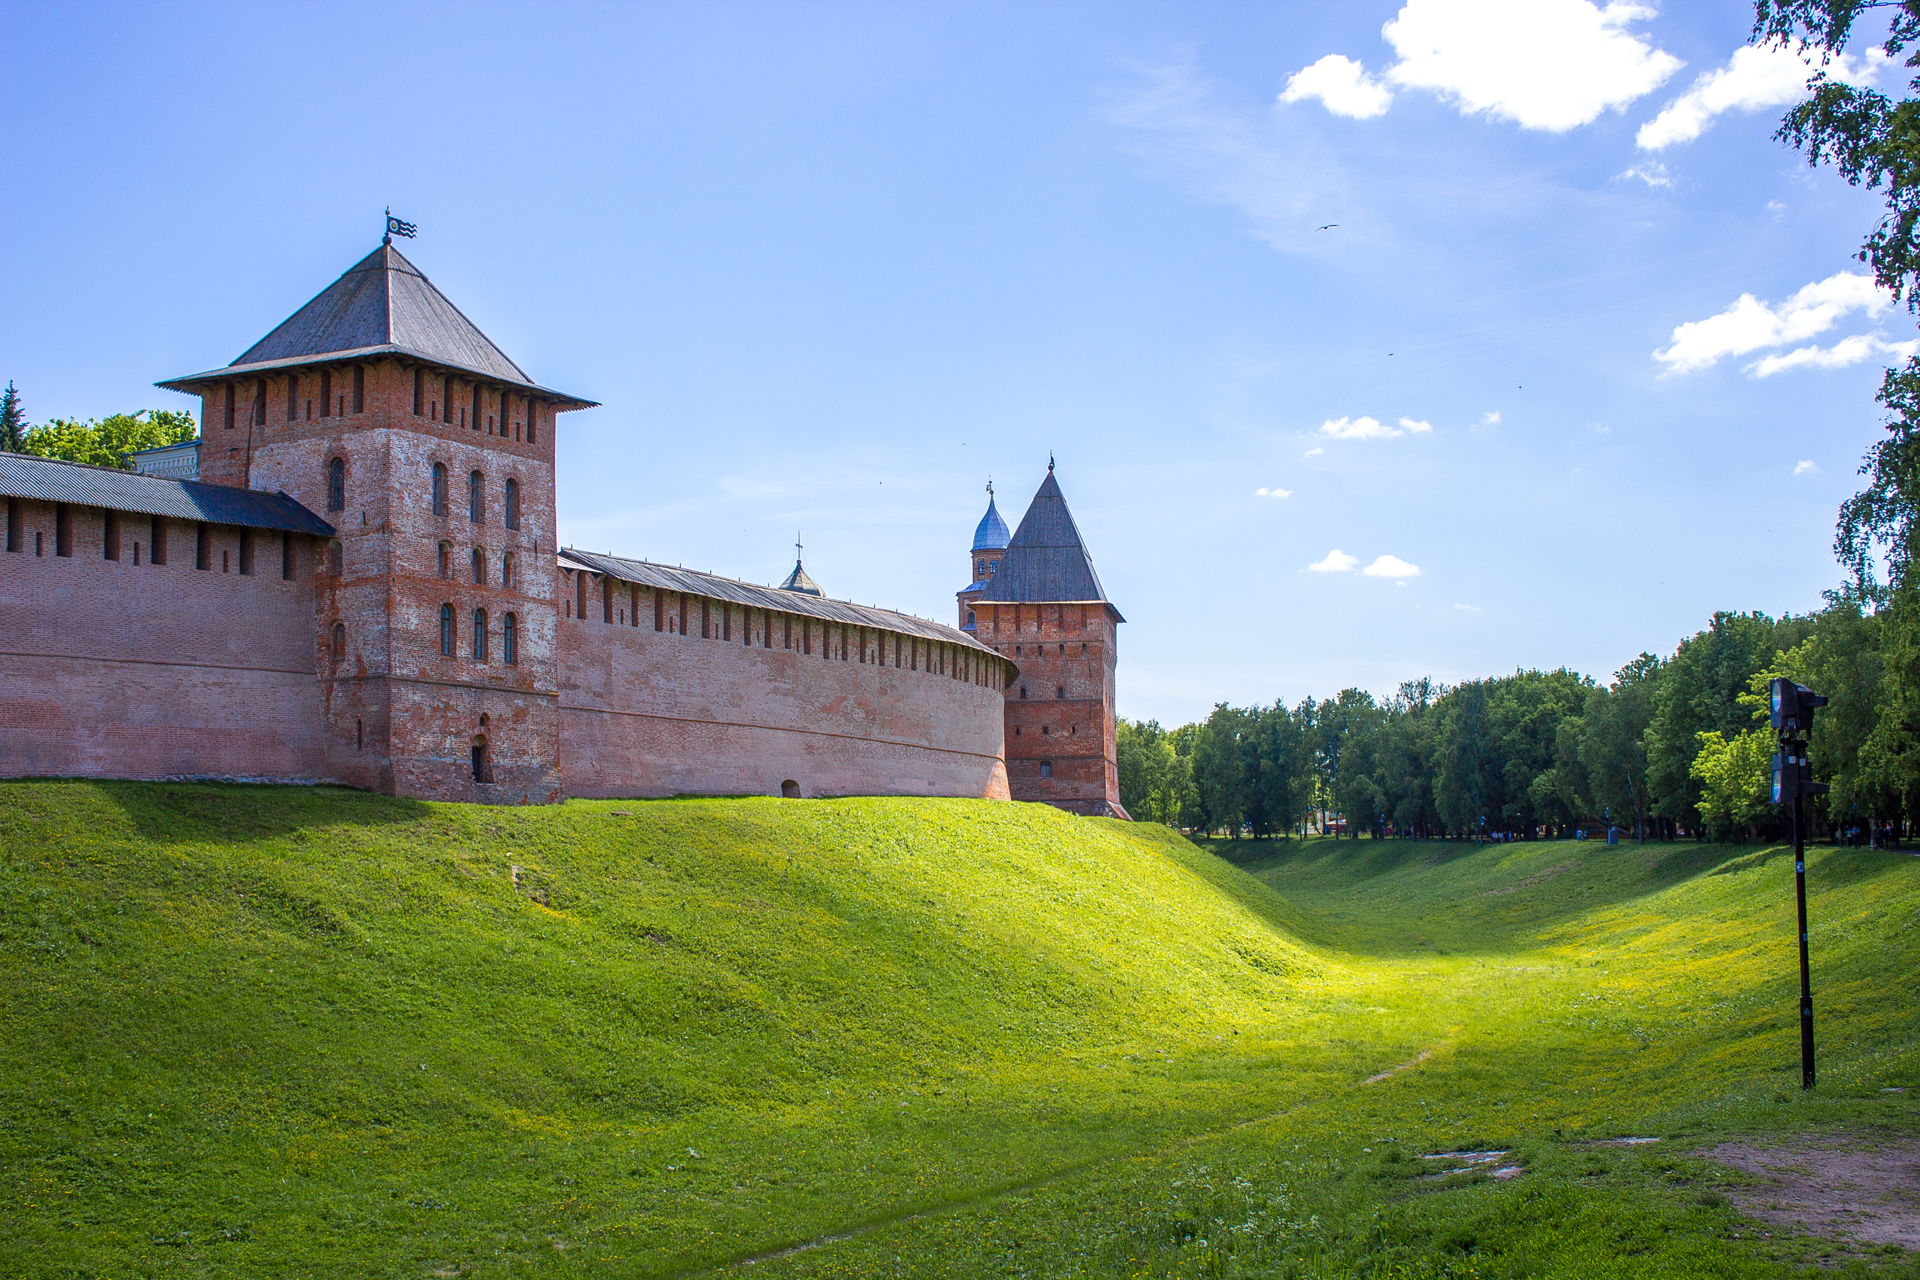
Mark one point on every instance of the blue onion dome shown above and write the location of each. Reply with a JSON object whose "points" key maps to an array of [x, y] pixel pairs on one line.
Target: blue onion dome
{"points": [[992, 535]]}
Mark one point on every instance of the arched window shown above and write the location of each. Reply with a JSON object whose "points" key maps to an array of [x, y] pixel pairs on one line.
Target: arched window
{"points": [[510, 640], [439, 488], [479, 635], [446, 631], [336, 484], [339, 642], [1060, 692], [446, 559], [513, 504], [476, 497], [1023, 691], [480, 565], [506, 570]]}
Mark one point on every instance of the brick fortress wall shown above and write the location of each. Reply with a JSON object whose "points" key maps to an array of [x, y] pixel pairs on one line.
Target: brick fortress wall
{"points": [[764, 698], [126, 668]]}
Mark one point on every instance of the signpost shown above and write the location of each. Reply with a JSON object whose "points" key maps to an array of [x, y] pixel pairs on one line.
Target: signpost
{"points": [[1792, 706]]}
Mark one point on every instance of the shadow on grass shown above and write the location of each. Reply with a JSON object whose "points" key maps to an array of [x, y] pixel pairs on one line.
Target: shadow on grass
{"points": [[198, 812], [1411, 897]]}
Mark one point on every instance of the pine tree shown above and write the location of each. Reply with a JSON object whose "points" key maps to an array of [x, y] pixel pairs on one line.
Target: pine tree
{"points": [[13, 420]]}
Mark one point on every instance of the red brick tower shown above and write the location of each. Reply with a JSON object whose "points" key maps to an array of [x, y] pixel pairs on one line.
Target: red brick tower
{"points": [[1044, 608], [381, 407]]}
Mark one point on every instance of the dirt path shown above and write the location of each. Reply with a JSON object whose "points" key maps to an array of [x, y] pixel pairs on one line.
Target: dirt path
{"points": [[1025, 1184], [1849, 1186]]}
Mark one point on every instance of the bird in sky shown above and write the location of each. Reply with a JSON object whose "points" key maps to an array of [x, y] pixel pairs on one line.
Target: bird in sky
{"points": [[1328, 227]]}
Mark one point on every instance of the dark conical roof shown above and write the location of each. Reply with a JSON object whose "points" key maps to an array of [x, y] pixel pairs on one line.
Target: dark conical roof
{"points": [[800, 582], [382, 305], [1046, 560], [992, 534]]}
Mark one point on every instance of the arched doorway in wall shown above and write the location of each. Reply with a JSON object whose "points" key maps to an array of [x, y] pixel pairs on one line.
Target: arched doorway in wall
{"points": [[790, 789], [482, 762]]}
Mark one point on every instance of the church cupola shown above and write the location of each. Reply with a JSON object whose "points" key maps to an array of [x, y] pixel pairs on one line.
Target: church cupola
{"points": [[990, 538]]}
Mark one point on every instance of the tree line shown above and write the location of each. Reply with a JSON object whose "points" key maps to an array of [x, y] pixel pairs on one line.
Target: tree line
{"points": [[1672, 746], [102, 443]]}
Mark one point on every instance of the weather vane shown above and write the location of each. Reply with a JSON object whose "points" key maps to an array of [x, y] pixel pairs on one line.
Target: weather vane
{"points": [[395, 227], [989, 488], [1049, 462]]}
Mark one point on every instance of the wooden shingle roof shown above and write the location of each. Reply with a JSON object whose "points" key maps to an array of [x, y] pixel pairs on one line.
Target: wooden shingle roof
{"points": [[1046, 561], [382, 305]]}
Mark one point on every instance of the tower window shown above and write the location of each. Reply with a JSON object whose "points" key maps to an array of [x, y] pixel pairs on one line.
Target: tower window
{"points": [[606, 599], [479, 635], [1023, 691], [258, 413], [359, 388], [1045, 730], [293, 397], [336, 558], [446, 631], [480, 566], [439, 488], [506, 570], [580, 596], [474, 420], [419, 391], [1060, 692], [533, 436], [476, 497], [510, 640], [229, 408], [446, 559], [512, 512], [482, 763], [1046, 768], [326, 393], [339, 643], [446, 396], [336, 484]]}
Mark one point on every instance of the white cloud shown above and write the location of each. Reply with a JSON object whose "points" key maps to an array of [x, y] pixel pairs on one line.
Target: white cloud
{"points": [[1543, 64], [1314, 452], [1335, 561], [1755, 78], [1651, 172], [1491, 418], [1750, 324], [1371, 429], [1468, 608], [1264, 492], [1342, 86], [1804, 467], [1861, 346], [1391, 567]]}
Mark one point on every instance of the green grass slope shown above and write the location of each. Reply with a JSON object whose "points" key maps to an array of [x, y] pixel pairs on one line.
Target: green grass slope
{"points": [[258, 1031], [261, 1032]]}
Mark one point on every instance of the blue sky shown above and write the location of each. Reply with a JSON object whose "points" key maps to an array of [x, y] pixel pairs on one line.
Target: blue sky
{"points": [[1584, 359]]}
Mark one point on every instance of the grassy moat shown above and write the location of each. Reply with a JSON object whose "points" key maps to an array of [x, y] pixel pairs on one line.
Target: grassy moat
{"points": [[253, 1032]]}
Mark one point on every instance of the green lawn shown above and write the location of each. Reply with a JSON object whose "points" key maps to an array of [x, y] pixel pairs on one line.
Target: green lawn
{"points": [[258, 1032]]}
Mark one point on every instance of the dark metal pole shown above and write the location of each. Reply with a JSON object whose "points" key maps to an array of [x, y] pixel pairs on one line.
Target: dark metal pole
{"points": [[1800, 898]]}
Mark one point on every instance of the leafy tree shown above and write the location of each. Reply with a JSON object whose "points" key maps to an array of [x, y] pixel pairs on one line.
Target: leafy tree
{"points": [[107, 443], [13, 420], [1153, 776], [1613, 749], [1733, 772]]}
